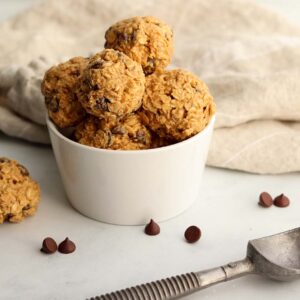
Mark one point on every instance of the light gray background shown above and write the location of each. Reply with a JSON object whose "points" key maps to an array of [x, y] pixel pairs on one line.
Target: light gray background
{"points": [[111, 257]]}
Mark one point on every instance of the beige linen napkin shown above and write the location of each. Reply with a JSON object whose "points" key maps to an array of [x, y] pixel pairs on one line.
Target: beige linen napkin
{"points": [[248, 55]]}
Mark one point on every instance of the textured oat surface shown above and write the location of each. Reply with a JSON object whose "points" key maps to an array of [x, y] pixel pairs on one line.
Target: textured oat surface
{"points": [[111, 84], [176, 104], [127, 133], [147, 40], [19, 194], [58, 87]]}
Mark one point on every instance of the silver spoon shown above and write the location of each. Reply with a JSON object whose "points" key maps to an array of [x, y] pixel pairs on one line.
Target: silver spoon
{"points": [[276, 256]]}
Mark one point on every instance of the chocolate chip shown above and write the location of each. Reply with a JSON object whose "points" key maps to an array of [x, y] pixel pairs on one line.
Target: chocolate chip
{"points": [[49, 246], [75, 73], [124, 37], [66, 246], [53, 105], [28, 206], [102, 104], [152, 228], [23, 170], [265, 199], [3, 159], [140, 136], [281, 201], [47, 100], [151, 61], [192, 234], [118, 130], [8, 216], [97, 64]]}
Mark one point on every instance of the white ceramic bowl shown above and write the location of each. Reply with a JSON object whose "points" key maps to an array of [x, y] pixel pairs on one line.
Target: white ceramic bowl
{"points": [[130, 187]]}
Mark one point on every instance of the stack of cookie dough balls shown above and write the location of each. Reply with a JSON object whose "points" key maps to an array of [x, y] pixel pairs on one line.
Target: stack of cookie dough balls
{"points": [[19, 193], [123, 98]]}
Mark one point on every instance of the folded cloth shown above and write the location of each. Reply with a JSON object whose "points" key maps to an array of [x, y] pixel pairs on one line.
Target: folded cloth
{"points": [[248, 55]]}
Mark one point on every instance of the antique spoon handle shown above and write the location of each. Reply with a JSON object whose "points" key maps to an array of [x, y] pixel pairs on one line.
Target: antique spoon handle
{"points": [[182, 285], [169, 288]]}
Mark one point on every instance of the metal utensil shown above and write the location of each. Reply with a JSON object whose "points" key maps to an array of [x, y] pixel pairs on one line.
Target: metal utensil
{"points": [[276, 256]]}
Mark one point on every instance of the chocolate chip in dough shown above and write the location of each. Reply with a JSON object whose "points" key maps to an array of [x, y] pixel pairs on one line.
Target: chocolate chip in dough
{"points": [[102, 103], [53, 105]]}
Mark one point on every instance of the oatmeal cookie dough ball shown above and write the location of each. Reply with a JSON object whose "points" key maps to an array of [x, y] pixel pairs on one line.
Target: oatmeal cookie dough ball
{"points": [[19, 194], [112, 84], [147, 40], [176, 104], [127, 133], [58, 87]]}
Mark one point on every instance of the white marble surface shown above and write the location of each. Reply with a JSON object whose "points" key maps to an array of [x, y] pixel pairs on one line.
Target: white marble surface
{"points": [[112, 257]]}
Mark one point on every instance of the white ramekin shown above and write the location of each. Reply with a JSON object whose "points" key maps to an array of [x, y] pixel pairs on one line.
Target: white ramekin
{"points": [[130, 187]]}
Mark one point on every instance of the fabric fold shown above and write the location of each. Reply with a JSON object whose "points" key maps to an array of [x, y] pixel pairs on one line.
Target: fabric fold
{"points": [[247, 54]]}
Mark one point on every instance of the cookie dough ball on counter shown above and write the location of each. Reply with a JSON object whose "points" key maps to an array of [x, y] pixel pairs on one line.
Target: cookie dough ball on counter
{"points": [[58, 87], [127, 133], [112, 84], [176, 104], [19, 194], [147, 40]]}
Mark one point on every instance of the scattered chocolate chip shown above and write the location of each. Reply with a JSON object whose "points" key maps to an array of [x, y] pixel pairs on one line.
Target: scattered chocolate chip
{"points": [[152, 228], [23, 170], [66, 246], [281, 201], [53, 105], [192, 234], [265, 199], [49, 245], [102, 103]]}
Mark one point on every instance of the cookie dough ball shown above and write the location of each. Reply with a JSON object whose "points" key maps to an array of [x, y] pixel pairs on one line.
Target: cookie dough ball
{"points": [[19, 194], [58, 87], [111, 85], [176, 104], [147, 40], [127, 133]]}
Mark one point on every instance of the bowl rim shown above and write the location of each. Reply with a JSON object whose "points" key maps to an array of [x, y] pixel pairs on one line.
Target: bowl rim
{"points": [[52, 127]]}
